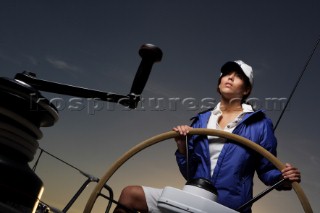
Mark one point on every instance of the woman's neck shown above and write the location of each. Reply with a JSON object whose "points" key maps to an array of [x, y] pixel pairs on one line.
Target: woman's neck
{"points": [[234, 105]]}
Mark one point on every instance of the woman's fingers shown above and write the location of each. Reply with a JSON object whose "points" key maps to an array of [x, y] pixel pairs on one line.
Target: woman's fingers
{"points": [[291, 173], [182, 129]]}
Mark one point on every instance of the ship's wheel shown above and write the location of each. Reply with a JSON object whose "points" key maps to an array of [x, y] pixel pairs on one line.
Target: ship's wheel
{"points": [[171, 134]]}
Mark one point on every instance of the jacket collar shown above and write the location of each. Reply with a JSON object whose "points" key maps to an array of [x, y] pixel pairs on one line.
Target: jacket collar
{"points": [[206, 115]]}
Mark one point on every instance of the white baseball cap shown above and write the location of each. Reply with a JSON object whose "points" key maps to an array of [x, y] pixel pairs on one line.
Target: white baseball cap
{"points": [[238, 65]]}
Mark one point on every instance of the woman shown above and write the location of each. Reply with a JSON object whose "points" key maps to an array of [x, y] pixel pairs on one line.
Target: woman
{"points": [[229, 167]]}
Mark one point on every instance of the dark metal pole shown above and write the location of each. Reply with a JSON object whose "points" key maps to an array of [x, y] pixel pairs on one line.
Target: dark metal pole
{"points": [[261, 195], [77, 194], [297, 83]]}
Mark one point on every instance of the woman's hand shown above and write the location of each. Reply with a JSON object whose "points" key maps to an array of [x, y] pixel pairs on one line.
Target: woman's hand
{"points": [[183, 130], [292, 174]]}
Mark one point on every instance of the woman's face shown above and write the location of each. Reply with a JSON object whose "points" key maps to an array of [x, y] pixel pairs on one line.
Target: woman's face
{"points": [[232, 86]]}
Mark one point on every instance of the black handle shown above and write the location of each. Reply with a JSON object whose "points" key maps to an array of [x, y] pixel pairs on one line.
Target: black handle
{"points": [[150, 54]]}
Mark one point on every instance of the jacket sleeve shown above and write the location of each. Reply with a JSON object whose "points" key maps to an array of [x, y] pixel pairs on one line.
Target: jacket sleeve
{"points": [[266, 171]]}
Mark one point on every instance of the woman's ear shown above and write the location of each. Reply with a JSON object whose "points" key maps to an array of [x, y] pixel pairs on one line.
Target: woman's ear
{"points": [[247, 91]]}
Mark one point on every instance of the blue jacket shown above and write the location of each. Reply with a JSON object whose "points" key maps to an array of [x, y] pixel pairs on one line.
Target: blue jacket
{"points": [[233, 174]]}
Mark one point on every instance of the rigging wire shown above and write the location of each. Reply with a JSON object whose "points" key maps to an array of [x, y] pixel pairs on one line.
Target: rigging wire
{"points": [[297, 83], [57, 158], [37, 161]]}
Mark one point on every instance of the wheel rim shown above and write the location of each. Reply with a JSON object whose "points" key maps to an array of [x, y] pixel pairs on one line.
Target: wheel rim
{"points": [[198, 131]]}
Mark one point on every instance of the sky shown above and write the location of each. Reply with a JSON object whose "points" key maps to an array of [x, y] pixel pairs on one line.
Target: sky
{"points": [[95, 44]]}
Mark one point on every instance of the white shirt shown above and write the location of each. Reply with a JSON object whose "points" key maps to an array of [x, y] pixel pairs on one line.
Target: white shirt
{"points": [[216, 143]]}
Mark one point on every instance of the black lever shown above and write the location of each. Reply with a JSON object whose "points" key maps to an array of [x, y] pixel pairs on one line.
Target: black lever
{"points": [[149, 53]]}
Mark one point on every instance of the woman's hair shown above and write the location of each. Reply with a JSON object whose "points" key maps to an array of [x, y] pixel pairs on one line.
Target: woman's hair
{"points": [[247, 84]]}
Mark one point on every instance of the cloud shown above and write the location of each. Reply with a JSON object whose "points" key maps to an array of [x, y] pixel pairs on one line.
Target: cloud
{"points": [[62, 65], [32, 59]]}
